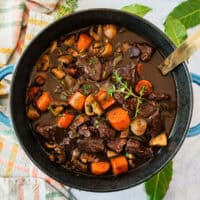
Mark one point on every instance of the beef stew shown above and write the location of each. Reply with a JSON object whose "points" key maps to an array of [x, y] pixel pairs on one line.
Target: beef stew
{"points": [[98, 104]]}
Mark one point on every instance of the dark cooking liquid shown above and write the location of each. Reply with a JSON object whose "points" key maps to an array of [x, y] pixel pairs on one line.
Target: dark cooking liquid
{"points": [[161, 84]]}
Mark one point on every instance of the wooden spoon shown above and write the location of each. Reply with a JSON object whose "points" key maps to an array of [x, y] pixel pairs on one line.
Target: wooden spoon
{"points": [[182, 53]]}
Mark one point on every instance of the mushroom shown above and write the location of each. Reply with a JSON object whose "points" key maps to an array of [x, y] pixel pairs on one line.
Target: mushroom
{"points": [[110, 31], [59, 149], [95, 48], [99, 30], [75, 154], [97, 36], [66, 59], [92, 107], [111, 154], [32, 113], [117, 59], [85, 158], [53, 46], [159, 140], [56, 109], [131, 163], [58, 73], [70, 41], [130, 156], [69, 81], [97, 45], [139, 126], [73, 52], [43, 63], [107, 50], [49, 145]]}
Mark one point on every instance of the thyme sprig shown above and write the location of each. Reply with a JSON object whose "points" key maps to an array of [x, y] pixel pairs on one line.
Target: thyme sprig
{"points": [[139, 101], [126, 90], [123, 86]]}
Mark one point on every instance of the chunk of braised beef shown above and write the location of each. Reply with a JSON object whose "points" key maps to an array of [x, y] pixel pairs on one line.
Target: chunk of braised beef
{"points": [[107, 69], [39, 80], [93, 129], [105, 131], [132, 144], [90, 66], [45, 131], [128, 72], [147, 51], [81, 119], [119, 98], [158, 96], [116, 144], [155, 124], [79, 166], [91, 145], [130, 103], [134, 52], [147, 109], [135, 147], [32, 92], [84, 130]]}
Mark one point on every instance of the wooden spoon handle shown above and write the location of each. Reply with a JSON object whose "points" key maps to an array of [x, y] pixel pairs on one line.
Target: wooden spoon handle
{"points": [[181, 54]]}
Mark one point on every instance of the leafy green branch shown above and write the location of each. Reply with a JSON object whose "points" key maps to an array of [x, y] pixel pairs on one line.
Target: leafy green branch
{"points": [[67, 7]]}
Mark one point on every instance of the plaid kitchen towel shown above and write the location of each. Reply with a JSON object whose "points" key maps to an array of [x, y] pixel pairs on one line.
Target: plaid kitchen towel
{"points": [[20, 16], [20, 179], [20, 21]]}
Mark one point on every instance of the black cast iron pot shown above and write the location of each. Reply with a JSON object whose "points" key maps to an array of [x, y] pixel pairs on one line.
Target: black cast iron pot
{"points": [[21, 123]]}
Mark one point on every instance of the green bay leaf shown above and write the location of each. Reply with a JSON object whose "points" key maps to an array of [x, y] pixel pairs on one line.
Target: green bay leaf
{"points": [[175, 30], [156, 187], [187, 12], [137, 9]]}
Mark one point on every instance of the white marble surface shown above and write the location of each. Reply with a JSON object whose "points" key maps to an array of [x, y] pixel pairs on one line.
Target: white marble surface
{"points": [[186, 180]]}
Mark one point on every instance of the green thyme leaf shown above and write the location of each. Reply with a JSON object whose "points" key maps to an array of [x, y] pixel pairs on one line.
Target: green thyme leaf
{"points": [[97, 123], [137, 9], [117, 77], [142, 91], [92, 61], [127, 155], [111, 90], [85, 88]]}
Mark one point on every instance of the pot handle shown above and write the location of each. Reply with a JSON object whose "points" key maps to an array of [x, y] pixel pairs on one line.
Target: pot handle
{"points": [[195, 130], [3, 73]]}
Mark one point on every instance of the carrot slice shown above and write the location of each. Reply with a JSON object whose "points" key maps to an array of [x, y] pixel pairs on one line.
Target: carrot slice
{"points": [[104, 99], [119, 119], [119, 165], [99, 168], [144, 84], [43, 101], [84, 42], [65, 120], [77, 101]]}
